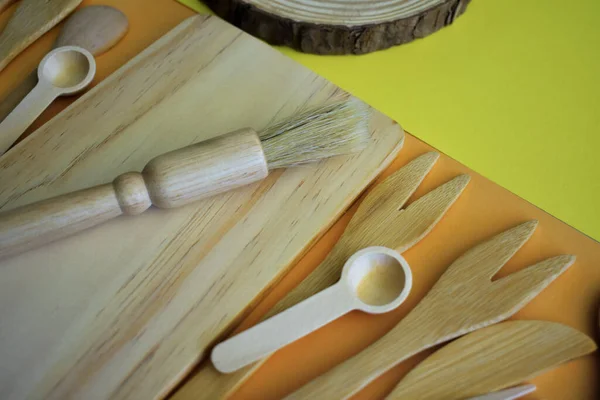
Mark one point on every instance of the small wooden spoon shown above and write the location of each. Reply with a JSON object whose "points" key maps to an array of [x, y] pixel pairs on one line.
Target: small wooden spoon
{"points": [[94, 28], [374, 280], [464, 299], [493, 358], [31, 20], [64, 71]]}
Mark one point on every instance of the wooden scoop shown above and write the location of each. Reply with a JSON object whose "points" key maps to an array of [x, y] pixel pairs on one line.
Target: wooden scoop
{"points": [[491, 359], [463, 300], [64, 71], [374, 280], [31, 20], [94, 28]]}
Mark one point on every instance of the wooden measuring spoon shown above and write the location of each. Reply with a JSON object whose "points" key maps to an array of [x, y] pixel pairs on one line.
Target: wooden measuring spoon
{"points": [[31, 19], [374, 280], [94, 28], [64, 71], [381, 220], [493, 358], [463, 300], [507, 394], [4, 4]]}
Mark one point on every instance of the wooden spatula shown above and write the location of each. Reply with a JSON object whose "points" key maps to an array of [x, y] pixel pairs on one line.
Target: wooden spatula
{"points": [[463, 300], [31, 20], [380, 220], [492, 358]]}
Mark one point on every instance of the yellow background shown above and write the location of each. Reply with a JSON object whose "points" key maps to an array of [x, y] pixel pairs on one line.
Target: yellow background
{"points": [[511, 90]]}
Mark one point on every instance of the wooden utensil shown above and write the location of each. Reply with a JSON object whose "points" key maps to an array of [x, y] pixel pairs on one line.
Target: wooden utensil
{"points": [[190, 174], [380, 220], [132, 305], [4, 4], [374, 280], [507, 394], [463, 300], [492, 358], [94, 28], [339, 26], [31, 20], [64, 71]]}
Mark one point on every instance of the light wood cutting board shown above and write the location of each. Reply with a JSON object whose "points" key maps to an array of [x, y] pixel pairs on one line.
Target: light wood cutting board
{"points": [[126, 309]]}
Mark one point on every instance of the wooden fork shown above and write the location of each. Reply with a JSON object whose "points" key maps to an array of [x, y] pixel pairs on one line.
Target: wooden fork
{"points": [[463, 300]]}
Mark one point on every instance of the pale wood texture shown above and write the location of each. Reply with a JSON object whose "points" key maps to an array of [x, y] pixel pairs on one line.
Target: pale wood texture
{"points": [[125, 310], [463, 300], [31, 20], [94, 28], [170, 180], [508, 394], [380, 220], [64, 71], [492, 358], [339, 26], [376, 264], [4, 4]]}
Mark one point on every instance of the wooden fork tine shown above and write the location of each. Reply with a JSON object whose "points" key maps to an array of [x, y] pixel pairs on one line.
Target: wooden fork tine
{"points": [[391, 194], [491, 255], [527, 283], [419, 218]]}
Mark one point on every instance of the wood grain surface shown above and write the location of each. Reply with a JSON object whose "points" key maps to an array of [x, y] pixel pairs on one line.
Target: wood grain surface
{"points": [[126, 309], [339, 26], [463, 300], [31, 20], [380, 220], [491, 359]]}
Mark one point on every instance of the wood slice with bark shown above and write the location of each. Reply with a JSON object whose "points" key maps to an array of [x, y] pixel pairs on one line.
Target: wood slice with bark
{"points": [[339, 26]]}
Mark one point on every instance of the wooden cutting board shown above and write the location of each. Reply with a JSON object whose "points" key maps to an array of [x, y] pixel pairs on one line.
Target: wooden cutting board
{"points": [[125, 310]]}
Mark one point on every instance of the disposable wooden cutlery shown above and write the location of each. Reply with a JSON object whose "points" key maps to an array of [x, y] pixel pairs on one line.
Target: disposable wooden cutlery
{"points": [[380, 220], [94, 28], [64, 71], [463, 300], [491, 359], [31, 19], [374, 280]]}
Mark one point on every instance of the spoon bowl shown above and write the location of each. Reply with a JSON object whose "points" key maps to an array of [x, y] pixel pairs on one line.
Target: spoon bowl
{"points": [[379, 277], [68, 69]]}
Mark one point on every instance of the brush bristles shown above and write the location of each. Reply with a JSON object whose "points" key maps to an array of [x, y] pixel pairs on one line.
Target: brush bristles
{"points": [[330, 130]]}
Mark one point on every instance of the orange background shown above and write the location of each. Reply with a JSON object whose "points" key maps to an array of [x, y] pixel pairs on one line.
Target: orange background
{"points": [[482, 211]]}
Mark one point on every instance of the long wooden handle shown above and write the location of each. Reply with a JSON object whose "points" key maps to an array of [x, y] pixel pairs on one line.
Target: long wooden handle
{"points": [[25, 113], [276, 332], [13, 99], [170, 180]]}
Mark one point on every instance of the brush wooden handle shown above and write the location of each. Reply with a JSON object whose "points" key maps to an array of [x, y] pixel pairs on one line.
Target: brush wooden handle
{"points": [[169, 180]]}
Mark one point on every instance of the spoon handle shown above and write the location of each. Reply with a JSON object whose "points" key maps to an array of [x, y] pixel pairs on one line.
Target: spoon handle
{"points": [[284, 328], [25, 113], [12, 100]]}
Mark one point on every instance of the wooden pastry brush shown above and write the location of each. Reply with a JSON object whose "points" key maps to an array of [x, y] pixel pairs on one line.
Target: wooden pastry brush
{"points": [[192, 173]]}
